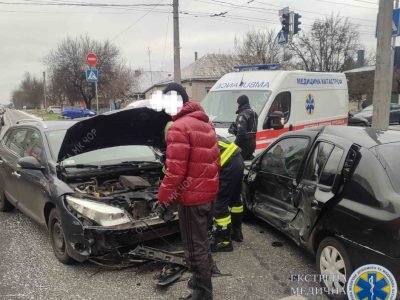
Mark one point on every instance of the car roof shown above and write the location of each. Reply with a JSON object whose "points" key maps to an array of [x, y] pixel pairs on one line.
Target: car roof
{"points": [[364, 136], [46, 125]]}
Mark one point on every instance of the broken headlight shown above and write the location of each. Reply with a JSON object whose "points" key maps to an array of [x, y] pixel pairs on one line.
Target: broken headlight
{"points": [[102, 214]]}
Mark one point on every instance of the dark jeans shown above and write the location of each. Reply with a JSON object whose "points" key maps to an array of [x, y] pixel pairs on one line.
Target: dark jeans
{"points": [[193, 223]]}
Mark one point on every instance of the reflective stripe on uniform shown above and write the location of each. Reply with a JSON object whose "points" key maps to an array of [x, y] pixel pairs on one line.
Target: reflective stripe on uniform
{"points": [[237, 209], [228, 153], [222, 222], [222, 144]]}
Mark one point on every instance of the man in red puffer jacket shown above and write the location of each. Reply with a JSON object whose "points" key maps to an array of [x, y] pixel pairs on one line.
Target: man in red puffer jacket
{"points": [[192, 162]]}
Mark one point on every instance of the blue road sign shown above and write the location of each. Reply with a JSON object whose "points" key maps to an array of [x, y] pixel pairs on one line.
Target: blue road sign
{"points": [[92, 75], [282, 38], [395, 23]]}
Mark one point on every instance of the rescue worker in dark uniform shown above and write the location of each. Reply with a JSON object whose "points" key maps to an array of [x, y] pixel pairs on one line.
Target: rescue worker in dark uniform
{"points": [[245, 127], [228, 206]]}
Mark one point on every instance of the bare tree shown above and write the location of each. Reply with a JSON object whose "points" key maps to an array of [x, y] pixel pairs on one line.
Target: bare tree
{"points": [[67, 66], [329, 46], [29, 93], [257, 47]]}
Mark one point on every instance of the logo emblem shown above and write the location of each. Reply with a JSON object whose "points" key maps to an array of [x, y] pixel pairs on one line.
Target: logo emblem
{"points": [[372, 282], [310, 104]]}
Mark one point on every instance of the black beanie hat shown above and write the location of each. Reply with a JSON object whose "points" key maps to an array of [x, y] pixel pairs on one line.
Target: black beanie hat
{"points": [[179, 89], [242, 100]]}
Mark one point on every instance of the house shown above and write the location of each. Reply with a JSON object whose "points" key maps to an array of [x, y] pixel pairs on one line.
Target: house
{"points": [[360, 82], [145, 80], [198, 77]]}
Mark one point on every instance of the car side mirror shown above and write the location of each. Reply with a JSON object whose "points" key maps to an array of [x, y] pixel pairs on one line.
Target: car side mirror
{"points": [[30, 163], [276, 121]]}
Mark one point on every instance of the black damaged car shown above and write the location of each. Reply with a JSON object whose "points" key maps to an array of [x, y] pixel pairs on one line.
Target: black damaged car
{"points": [[336, 192], [92, 183]]}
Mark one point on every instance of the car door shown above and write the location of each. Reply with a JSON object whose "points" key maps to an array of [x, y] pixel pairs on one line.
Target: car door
{"points": [[275, 183], [11, 151], [317, 189], [33, 184]]}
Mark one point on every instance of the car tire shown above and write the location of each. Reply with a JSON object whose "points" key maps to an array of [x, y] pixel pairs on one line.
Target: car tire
{"points": [[57, 238], [331, 258], [51, 112], [5, 206]]}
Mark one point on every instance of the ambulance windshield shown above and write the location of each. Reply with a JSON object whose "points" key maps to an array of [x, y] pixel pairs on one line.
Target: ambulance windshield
{"points": [[221, 106]]}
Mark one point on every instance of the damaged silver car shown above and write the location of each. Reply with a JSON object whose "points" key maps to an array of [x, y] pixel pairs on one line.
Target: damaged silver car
{"points": [[92, 183]]}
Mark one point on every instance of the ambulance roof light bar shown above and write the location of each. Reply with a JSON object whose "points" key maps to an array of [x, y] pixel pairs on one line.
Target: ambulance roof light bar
{"points": [[258, 67]]}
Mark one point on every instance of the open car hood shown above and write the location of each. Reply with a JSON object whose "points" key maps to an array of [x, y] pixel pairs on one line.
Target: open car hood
{"points": [[135, 126]]}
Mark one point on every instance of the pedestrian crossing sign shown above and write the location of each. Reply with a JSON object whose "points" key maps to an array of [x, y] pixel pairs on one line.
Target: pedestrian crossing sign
{"points": [[282, 38], [92, 75]]}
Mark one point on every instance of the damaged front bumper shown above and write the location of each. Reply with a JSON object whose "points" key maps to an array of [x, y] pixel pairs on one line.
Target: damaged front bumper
{"points": [[86, 242]]}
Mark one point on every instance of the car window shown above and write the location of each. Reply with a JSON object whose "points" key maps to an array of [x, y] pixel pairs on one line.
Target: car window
{"points": [[281, 103], [394, 107], [16, 141], [34, 146], [330, 171], [317, 161], [285, 157]]}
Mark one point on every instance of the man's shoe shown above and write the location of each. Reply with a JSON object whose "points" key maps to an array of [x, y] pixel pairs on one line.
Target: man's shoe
{"points": [[221, 239], [223, 246], [202, 290], [237, 235]]}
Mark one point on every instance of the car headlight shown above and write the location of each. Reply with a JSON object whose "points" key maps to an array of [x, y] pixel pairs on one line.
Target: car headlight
{"points": [[103, 214]]}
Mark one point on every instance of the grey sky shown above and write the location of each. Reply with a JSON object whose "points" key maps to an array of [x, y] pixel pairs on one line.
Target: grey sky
{"points": [[28, 33]]}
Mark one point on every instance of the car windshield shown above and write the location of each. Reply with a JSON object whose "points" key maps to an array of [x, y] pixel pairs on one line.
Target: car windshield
{"points": [[390, 154], [111, 155], [221, 106], [368, 108]]}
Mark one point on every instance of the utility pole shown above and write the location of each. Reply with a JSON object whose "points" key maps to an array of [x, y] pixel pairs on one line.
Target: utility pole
{"points": [[393, 50], [177, 47], [44, 91], [382, 82], [151, 73]]}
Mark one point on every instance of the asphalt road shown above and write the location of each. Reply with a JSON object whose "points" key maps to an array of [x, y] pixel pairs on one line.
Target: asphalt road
{"points": [[29, 270], [11, 116]]}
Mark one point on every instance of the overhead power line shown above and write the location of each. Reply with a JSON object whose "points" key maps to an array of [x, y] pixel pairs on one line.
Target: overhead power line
{"points": [[43, 3], [348, 4], [137, 21]]}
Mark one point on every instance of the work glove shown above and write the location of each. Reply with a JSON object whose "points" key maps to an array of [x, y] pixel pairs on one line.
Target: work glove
{"points": [[164, 212]]}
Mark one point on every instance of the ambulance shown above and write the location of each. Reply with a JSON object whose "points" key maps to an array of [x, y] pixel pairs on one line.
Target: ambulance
{"points": [[283, 100]]}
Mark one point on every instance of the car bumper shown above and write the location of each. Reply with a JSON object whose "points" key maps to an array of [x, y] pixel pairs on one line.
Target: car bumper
{"points": [[85, 242], [361, 255]]}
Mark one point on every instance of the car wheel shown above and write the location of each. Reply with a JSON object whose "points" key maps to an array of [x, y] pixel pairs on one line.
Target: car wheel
{"points": [[57, 237], [5, 206], [332, 259], [51, 112]]}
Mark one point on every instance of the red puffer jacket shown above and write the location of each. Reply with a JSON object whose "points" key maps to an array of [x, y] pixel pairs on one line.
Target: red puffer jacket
{"points": [[192, 159]]}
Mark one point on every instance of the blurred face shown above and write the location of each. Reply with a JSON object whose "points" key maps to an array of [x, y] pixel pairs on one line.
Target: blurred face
{"points": [[171, 102]]}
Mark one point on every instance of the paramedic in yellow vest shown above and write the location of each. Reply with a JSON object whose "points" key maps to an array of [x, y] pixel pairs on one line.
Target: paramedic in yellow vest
{"points": [[228, 205]]}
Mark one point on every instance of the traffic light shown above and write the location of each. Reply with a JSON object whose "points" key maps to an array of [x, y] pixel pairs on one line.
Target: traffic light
{"points": [[296, 23], [285, 21]]}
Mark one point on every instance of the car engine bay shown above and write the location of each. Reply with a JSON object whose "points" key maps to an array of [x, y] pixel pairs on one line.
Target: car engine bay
{"points": [[136, 192]]}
